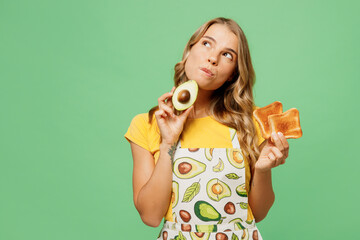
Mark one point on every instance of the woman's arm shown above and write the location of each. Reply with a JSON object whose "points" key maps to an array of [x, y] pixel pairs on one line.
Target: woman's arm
{"points": [[151, 183], [261, 196]]}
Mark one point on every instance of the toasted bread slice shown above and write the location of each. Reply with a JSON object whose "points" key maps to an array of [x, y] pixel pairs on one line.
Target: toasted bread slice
{"points": [[287, 122], [261, 116]]}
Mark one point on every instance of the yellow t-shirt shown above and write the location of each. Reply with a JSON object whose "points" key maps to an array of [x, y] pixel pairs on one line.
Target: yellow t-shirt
{"points": [[203, 132]]}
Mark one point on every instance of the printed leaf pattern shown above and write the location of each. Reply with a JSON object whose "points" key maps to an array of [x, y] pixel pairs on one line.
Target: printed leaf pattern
{"points": [[243, 205], [232, 176], [249, 221], [221, 220], [180, 236], [234, 237], [191, 192]]}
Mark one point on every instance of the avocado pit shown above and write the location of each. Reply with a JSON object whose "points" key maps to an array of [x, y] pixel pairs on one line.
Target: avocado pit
{"points": [[193, 149], [255, 235], [184, 167], [186, 227], [165, 235], [221, 236], [184, 96], [217, 188], [199, 234], [237, 157], [185, 215], [229, 208]]}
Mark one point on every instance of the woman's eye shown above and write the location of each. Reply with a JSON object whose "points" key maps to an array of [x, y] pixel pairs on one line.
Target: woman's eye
{"points": [[206, 43], [228, 55]]}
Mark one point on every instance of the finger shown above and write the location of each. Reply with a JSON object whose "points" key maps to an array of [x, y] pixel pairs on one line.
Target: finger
{"points": [[163, 105], [167, 109], [272, 158], [168, 100], [163, 97], [280, 157], [186, 113], [278, 154], [284, 141], [160, 113], [275, 139]]}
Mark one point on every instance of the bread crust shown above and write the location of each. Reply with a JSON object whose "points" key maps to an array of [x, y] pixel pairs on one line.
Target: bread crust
{"points": [[261, 115], [287, 123]]}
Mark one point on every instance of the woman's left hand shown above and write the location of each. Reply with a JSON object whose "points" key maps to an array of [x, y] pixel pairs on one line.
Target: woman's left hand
{"points": [[274, 153]]}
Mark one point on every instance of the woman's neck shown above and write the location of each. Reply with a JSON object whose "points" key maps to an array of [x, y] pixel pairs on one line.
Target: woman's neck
{"points": [[201, 105]]}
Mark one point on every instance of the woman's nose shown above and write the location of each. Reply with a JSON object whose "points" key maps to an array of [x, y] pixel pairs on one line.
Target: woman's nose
{"points": [[212, 60]]}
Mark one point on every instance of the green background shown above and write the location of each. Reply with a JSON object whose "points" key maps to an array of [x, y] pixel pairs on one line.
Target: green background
{"points": [[74, 73]]}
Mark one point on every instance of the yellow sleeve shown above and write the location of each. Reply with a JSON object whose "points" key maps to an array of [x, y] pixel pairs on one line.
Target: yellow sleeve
{"points": [[138, 131]]}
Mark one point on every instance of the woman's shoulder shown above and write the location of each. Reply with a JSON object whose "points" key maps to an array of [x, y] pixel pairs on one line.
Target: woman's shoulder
{"points": [[141, 118], [141, 121], [142, 131]]}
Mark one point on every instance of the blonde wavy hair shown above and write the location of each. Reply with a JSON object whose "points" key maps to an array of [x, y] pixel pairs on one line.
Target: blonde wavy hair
{"points": [[232, 104]]}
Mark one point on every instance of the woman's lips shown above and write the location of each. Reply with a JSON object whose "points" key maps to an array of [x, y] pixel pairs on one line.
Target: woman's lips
{"points": [[207, 72]]}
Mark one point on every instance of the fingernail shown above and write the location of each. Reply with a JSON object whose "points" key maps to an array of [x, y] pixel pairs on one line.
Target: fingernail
{"points": [[280, 133]]}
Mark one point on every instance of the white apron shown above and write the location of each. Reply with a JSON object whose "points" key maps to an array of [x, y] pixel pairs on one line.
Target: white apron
{"points": [[209, 199]]}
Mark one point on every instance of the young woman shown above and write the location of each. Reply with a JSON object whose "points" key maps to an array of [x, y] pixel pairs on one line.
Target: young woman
{"points": [[207, 170]]}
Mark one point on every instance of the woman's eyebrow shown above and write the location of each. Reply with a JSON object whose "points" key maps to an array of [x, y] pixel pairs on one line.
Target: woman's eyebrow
{"points": [[213, 39]]}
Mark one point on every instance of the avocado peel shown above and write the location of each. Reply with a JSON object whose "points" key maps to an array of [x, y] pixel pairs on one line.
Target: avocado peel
{"points": [[174, 194], [186, 167], [206, 212], [209, 153], [237, 222], [235, 157], [219, 167], [241, 190]]}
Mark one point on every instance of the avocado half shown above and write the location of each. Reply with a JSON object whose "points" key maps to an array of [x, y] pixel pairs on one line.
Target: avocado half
{"points": [[185, 95]]}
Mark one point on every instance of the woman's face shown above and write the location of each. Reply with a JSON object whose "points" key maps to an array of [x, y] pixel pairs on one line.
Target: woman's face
{"points": [[213, 59]]}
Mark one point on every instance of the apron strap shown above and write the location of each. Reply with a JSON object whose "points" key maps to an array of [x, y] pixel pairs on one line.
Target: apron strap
{"points": [[234, 138]]}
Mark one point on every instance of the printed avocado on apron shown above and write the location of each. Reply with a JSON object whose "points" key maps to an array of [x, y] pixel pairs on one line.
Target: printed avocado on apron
{"points": [[209, 199]]}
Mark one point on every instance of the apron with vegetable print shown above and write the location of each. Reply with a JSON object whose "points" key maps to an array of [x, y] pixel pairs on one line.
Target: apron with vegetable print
{"points": [[209, 199]]}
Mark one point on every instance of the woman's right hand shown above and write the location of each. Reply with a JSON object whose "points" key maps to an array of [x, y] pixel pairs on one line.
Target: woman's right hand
{"points": [[170, 125]]}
